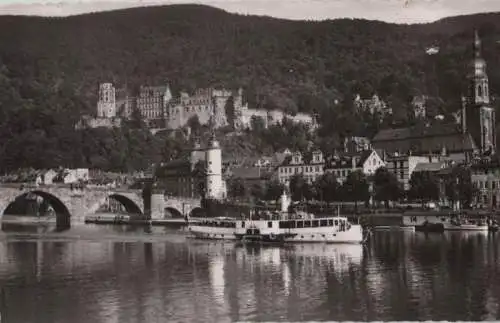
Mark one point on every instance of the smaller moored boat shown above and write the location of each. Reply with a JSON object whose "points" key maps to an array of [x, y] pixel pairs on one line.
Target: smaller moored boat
{"points": [[492, 225], [459, 223]]}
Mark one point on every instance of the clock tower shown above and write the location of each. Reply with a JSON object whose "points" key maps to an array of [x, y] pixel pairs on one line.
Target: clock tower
{"points": [[480, 114]]}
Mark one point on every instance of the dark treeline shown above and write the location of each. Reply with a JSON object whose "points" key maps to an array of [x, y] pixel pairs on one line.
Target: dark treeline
{"points": [[37, 130], [50, 69]]}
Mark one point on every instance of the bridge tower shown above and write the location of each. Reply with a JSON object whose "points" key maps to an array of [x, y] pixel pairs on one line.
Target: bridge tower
{"points": [[214, 184]]}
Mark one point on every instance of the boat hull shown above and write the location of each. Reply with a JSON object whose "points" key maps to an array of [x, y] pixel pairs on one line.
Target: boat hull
{"points": [[271, 232], [439, 222], [394, 228], [430, 227], [465, 227]]}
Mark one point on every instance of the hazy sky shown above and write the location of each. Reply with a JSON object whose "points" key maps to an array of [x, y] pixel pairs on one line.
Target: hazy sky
{"points": [[387, 10]]}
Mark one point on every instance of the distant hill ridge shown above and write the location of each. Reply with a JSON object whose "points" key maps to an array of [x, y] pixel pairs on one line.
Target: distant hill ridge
{"points": [[284, 64]]}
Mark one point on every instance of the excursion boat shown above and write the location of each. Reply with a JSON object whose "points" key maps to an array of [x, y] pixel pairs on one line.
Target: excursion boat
{"points": [[280, 228]]}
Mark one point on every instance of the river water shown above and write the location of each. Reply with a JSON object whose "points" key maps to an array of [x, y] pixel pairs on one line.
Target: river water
{"points": [[122, 274]]}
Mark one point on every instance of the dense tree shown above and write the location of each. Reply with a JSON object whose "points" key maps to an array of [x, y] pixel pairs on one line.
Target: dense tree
{"points": [[386, 186], [424, 186], [237, 188], [199, 174], [136, 121], [355, 188], [300, 188], [327, 187], [257, 191], [459, 188], [288, 65], [257, 124], [194, 124], [230, 112], [274, 190]]}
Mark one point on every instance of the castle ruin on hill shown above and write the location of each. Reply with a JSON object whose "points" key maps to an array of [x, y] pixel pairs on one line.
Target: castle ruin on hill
{"points": [[161, 110]]}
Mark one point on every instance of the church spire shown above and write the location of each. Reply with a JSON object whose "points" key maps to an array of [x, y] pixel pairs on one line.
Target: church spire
{"points": [[477, 45], [480, 115], [479, 92]]}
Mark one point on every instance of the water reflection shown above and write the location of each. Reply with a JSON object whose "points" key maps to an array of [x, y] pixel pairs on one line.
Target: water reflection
{"points": [[161, 276]]}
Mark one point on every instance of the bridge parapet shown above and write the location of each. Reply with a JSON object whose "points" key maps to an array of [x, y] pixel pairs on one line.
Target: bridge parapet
{"points": [[76, 202], [85, 200]]}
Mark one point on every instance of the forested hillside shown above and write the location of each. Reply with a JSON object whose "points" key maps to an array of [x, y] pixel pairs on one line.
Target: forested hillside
{"points": [[53, 65]]}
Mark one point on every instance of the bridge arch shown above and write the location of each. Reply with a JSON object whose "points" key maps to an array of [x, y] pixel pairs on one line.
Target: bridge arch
{"points": [[129, 205], [173, 213], [62, 212]]}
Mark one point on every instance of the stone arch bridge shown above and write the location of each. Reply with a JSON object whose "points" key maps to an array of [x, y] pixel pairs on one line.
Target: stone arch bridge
{"points": [[76, 203]]}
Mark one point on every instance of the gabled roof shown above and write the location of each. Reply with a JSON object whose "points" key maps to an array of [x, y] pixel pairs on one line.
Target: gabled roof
{"points": [[429, 167], [364, 156], [347, 160], [419, 131], [179, 162], [286, 160], [421, 139], [249, 173]]}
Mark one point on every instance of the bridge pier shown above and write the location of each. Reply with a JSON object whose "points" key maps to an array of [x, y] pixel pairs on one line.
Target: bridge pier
{"points": [[157, 210]]}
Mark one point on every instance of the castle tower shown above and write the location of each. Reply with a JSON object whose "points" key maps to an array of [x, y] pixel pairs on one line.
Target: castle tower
{"points": [[219, 100], [214, 185], [480, 114], [106, 105], [238, 110], [167, 100]]}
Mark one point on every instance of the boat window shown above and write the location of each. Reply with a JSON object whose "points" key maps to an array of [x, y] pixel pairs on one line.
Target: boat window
{"points": [[286, 224], [307, 224], [270, 224], [336, 222], [330, 223], [323, 223], [315, 223], [243, 224], [300, 224]]}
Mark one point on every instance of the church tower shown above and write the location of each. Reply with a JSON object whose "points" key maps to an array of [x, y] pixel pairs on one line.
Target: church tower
{"points": [[480, 114]]}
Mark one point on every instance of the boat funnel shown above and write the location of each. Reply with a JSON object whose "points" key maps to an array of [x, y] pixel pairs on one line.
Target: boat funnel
{"points": [[285, 202]]}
